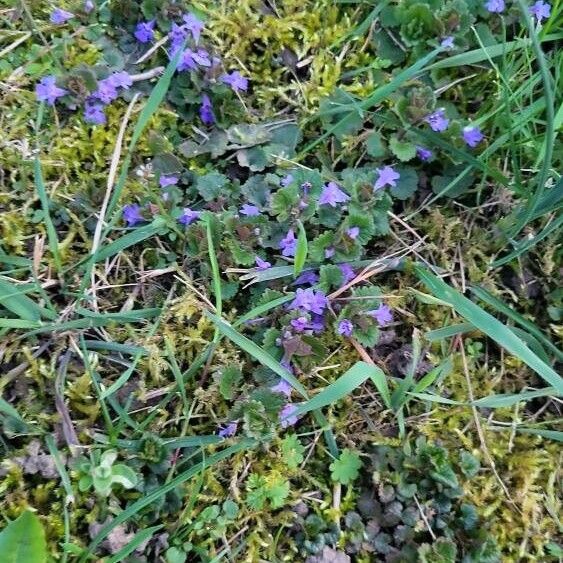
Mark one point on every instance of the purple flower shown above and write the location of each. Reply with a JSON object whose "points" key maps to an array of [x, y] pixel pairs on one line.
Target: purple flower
{"points": [[309, 277], [60, 16], [382, 315], [300, 324], [332, 194], [286, 418], [193, 25], [249, 210], [540, 10], [286, 180], [282, 387], [89, 6], [353, 232], [228, 430], [106, 91], [472, 135], [347, 273], [94, 114], [447, 43], [47, 90], [495, 6], [285, 363], [262, 264], [387, 177], [206, 110], [120, 80], [317, 323], [166, 181], [288, 244], [188, 216], [177, 37], [144, 32], [424, 154], [309, 300], [438, 120], [191, 59], [235, 80], [329, 252], [132, 214], [345, 327]]}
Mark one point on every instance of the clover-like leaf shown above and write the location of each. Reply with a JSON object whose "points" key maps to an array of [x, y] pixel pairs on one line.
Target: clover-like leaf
{"points": [[404, 150], [346, 468], [292, 451]]}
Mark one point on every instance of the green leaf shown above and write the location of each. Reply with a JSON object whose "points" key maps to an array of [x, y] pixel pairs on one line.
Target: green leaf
{"points": [[123, 475], [406, 184], [441, 551], [330, 276], [404, 150], [346, 468], [211, 185], [492, 327], [23, 540], [469, 464], [278, 493], [230, 378], [375, 146], [455, 181], [292, 451]]}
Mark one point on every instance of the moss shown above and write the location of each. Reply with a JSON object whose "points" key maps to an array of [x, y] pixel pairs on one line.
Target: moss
{"points": [[292, 54], [525, 464]]}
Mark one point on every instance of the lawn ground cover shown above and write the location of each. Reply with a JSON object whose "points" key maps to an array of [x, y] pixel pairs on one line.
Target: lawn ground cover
{"points": [[280, 281]]}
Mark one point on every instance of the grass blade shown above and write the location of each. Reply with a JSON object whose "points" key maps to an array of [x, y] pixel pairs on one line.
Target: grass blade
{"points": [[507, 400], [549, 136], [214, 267], [489, 52], [139, 538], [14, 299], [261, 309], [44, 198], [256, 352], [300, 251], [8, 409], [342, 387], [526, 243], [503, 308], [448, 331], [192, 441], [130, 239], [492, 327]]}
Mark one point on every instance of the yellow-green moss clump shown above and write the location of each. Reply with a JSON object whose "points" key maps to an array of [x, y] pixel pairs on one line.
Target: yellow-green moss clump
{"points": [[527, 465], [292, 53]]}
